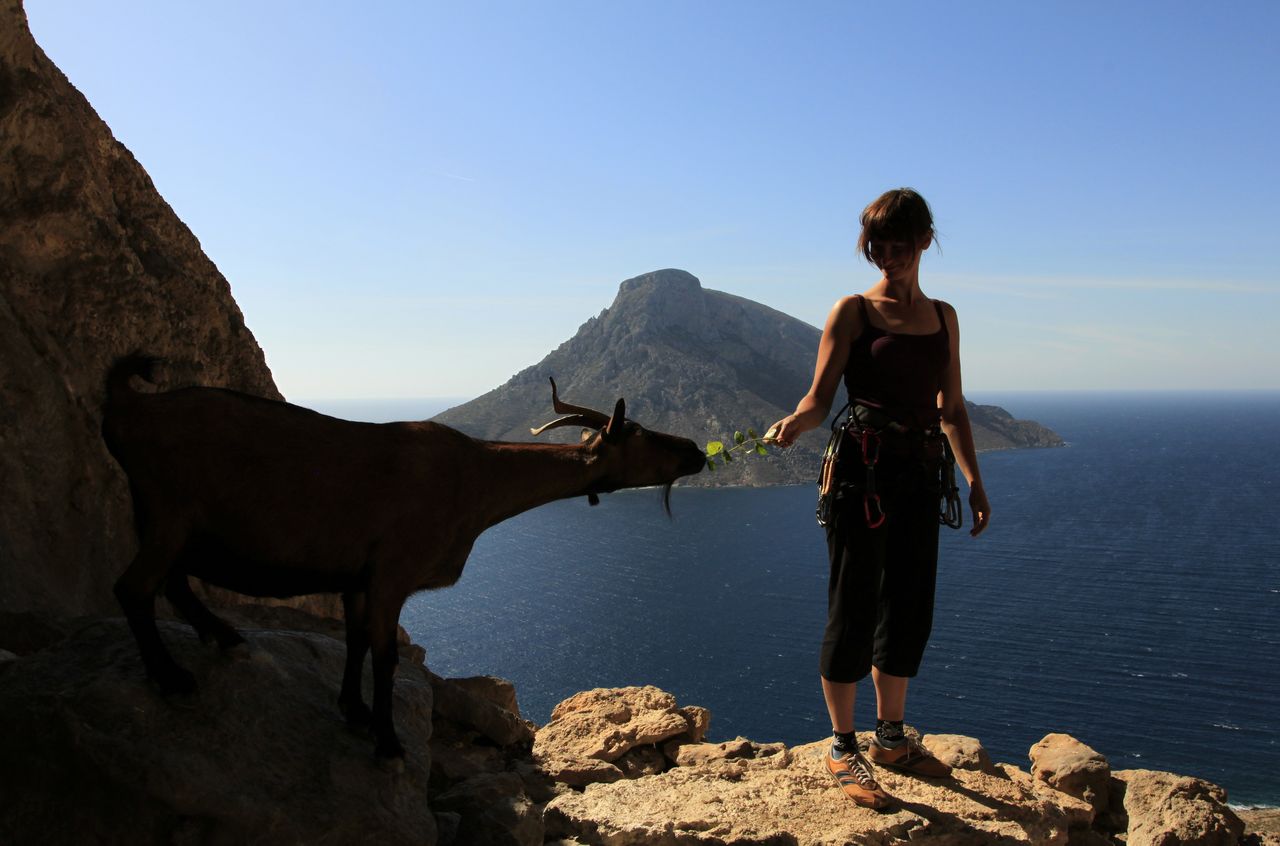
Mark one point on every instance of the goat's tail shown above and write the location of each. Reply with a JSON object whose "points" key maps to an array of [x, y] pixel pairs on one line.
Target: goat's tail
{"points": [[124, 369]]}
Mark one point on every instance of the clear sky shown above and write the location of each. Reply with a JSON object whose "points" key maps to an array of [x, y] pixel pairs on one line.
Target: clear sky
{"points": [[421, 198]]}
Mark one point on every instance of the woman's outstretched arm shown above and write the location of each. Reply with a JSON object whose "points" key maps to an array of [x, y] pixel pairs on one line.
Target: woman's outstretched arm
{"points": [[955, 425]]}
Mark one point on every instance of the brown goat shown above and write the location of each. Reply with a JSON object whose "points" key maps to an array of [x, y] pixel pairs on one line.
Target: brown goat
{"points": [[270, 499]]}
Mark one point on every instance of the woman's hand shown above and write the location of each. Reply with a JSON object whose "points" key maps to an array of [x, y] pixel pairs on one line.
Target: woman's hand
{"points": [[980, 508], [784, 432]]}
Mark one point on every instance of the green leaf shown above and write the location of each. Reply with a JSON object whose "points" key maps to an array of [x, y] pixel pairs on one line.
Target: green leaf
{"points": [[751, 433], [760, 450], [728, 456], [711, 465], [738, 437], [715, 448]]}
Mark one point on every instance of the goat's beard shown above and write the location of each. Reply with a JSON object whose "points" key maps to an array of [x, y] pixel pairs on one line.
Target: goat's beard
{"points": [[666, 499]]}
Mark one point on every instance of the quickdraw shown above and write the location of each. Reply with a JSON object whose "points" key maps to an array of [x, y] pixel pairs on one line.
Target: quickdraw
{"points": [[951, 513]]}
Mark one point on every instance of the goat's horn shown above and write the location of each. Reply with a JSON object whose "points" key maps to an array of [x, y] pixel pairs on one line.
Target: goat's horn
{"points": [[568, 420], [598, 418]]}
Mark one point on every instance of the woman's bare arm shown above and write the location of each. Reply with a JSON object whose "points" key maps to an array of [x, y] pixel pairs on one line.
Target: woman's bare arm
{"points": [[955, 425]]}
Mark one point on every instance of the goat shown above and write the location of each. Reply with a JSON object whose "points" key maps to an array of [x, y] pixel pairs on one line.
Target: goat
{"points": [[266, 498]]}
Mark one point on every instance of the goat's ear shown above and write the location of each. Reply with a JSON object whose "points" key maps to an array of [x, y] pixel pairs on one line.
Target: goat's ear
{"points": [[613, 429]]}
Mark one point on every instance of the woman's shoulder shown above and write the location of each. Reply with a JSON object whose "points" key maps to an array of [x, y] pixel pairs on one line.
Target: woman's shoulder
{"points": [[847, 312], [945, 309], [947, 312], [853, 304]]}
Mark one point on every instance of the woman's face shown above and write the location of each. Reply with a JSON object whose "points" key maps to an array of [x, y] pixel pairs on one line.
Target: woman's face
{"points": [[896, 258]]}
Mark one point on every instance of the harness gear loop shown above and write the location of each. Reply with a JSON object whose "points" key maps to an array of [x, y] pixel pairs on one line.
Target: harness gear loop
{"points": [[827, 476]]}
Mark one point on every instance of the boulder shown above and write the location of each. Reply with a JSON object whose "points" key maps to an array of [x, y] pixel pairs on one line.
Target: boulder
{"points": [[694, 754], [91, 752], [492, 689], [1066, 764], [602, 725], [959, 752], [1170, 810], [492, 810]]}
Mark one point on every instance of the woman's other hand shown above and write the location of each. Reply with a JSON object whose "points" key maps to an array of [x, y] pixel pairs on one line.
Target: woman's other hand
{"points": [[980, 508]]}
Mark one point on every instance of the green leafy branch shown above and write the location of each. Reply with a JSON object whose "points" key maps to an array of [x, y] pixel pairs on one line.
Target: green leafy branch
{"points": [[749, 443]]}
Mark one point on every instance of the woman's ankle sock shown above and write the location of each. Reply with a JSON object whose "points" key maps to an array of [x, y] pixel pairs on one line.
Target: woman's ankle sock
{"points": [[843, 743], [889, 733]]}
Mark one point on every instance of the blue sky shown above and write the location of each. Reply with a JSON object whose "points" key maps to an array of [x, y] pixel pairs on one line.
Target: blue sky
{"points": [[420, 199]]}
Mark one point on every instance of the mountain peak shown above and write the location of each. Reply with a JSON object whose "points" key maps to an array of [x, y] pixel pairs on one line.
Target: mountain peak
{"points": [[662, 281], [661, 299]]}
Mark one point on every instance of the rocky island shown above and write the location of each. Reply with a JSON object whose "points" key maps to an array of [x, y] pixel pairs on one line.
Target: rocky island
{"points": [[95, 265]]}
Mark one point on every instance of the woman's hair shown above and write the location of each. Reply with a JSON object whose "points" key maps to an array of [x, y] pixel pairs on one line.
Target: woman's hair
{"points": [[897, 215]]}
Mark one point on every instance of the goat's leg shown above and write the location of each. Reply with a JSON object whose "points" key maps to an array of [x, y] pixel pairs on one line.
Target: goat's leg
{"points": [[136, 591], [351, 700], [177, 589], [382, 617]]}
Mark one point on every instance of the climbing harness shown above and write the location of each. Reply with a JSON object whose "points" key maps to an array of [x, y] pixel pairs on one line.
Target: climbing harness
{"points": [[867, 429]]}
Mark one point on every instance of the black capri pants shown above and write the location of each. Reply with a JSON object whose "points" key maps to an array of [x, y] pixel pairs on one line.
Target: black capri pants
{"points": [[880, 594]]}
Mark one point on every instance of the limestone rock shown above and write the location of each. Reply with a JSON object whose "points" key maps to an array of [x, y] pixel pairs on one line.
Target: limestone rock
{"points": [[642, 761], [790, 798], [1066, 764], [578, 772], [1170, 810], [493, 690], [456, 701], [1261, 826], [694, 754], [959, 752], [94, 264], [493, 810], [602, 725], [92, 753], [699, 721]]}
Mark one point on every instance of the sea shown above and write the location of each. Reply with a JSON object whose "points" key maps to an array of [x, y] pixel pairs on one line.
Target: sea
{"points": [[1127, 592]]}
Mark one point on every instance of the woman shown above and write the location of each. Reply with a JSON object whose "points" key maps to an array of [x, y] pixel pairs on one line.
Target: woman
{"points": [[899, 355]]}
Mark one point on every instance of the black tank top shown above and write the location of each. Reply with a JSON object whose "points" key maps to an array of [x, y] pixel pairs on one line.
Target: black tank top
{"points": [[898, 373]]}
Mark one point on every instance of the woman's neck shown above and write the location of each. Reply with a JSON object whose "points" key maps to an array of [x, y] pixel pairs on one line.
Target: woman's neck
{"points": [[904, 291]]}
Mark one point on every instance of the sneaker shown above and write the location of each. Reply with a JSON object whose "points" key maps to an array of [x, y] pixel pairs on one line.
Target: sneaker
{"points": [[909, 757], [854, 777]]}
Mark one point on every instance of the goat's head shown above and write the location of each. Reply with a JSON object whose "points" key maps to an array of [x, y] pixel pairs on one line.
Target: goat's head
{"points": [[630, 455]]}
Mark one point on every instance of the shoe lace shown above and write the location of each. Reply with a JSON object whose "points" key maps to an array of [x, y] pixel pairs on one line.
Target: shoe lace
{"points": [[861, 771]]}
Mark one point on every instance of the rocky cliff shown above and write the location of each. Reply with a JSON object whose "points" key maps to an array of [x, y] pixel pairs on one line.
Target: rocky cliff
{"points": [[698, 363], [92, 753], [94, 264]]}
